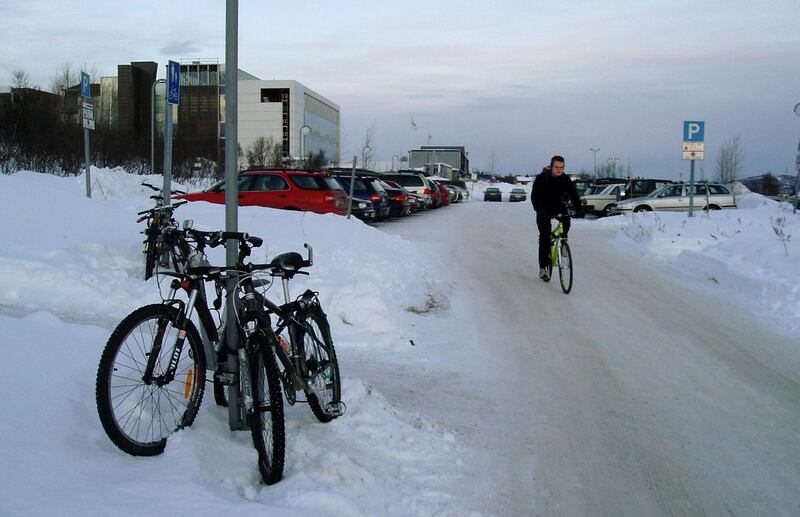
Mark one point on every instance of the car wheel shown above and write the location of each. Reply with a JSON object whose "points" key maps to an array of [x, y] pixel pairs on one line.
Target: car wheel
{"points": [[607, 210], [713, 207], [643, 208]]}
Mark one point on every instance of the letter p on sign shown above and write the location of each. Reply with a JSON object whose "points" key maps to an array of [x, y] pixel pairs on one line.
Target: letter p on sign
{"points": [[694, 130]]}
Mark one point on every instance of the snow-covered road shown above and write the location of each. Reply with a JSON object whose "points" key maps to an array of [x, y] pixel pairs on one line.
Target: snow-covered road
{"points": [[637, 394]]}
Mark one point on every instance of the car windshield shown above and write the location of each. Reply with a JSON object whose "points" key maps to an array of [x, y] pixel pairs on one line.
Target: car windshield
{"points": [[330, 183], [407, 180], [244, 182]]}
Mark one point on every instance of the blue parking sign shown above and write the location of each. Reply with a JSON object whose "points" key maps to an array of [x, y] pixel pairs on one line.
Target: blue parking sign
{"points": [[173, 82], [86, 88], [694, 130]]}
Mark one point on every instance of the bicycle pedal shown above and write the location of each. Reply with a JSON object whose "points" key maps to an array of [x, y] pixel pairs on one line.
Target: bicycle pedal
{"points": [[226, 378], [335, 409]]}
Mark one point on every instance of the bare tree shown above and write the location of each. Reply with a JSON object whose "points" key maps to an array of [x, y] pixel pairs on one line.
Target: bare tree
{"points": [[264, 152], [366, 152], [730, 160], [20, 79], [65, 77]]}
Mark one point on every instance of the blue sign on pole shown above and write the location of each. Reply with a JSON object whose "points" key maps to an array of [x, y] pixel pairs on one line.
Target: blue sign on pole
{"points": [[694, 130], [86, 88], [173, 82]]}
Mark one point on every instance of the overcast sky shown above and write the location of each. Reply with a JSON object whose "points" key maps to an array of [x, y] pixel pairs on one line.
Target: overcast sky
{"points": [[519, 80]]}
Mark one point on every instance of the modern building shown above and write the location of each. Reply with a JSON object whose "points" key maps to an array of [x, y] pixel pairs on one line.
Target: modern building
{"points": [[297, 118], [427, 158], [300, 120]]}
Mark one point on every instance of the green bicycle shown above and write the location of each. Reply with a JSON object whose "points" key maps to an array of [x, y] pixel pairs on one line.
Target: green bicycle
{"points": [[560, 256]]}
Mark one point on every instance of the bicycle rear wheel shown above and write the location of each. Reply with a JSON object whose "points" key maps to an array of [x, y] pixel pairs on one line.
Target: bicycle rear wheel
{"points": [[139, 417], [266, 421], [324, 391], [565, 267]]}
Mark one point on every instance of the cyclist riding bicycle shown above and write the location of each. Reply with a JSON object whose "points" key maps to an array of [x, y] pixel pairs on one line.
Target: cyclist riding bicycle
{"points": [[550, 189]]}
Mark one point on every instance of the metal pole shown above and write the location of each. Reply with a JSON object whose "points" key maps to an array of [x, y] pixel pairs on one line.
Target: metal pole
{"points": [[352, 182], [797, 179], [691, 189], [235, 420], [153, 126], [86, 155], [594, 152], [166, 190]]}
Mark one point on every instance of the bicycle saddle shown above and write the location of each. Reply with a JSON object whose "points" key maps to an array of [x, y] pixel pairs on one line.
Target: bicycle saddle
{"points": [[291, 261]]}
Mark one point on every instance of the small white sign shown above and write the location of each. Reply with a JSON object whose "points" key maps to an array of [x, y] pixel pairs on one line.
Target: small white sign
{"points": [[694, 146], [88, 113], [87, 103], [693, 155], [88, 124]]}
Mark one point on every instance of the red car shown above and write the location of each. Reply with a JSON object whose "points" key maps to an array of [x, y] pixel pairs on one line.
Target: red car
{"points": [[287, 189]]}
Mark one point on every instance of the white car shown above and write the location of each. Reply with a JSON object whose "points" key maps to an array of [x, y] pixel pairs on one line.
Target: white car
{"points": [[601, 201], [711, 196]]}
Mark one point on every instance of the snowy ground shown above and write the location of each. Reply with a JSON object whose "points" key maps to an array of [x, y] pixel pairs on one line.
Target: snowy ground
{"points": [[412, 325]]}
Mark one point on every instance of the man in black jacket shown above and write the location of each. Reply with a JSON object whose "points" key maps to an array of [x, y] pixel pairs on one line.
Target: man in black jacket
{"points": [[550, 189]]}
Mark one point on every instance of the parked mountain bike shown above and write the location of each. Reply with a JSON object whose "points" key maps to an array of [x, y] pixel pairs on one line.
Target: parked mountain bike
{"points": [[560, 256], [158, 218], [150, 384]]}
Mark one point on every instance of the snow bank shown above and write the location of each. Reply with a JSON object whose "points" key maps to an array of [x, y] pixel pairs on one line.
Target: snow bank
{"points": [[746, 255], [72, 267]]}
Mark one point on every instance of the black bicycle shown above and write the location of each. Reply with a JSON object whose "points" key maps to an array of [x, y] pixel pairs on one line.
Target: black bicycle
{"points": [[159, 218], [151, 377]]}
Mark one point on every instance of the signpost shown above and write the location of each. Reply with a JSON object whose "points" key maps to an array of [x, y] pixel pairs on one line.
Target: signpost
{"points": [[88, 124], [693, 149], [173, 97]]}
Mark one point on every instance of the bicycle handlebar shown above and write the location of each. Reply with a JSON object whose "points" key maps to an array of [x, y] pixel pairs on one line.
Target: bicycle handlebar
{"points": [[153, 187]]}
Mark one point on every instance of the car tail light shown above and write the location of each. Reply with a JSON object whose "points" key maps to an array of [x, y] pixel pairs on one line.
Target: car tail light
{"points": [[375, 197], [427, 191], [400, 197]]}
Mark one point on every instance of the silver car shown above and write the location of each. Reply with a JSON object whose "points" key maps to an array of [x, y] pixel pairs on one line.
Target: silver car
{"points": [[711, 196]]}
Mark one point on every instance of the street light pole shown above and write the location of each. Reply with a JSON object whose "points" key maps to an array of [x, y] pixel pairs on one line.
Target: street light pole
{"points": [[304, 130], [594, 152], [153, 125], [394, 157]]}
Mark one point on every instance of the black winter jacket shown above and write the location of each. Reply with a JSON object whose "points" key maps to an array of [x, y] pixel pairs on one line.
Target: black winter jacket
{"points": [[550, 192]]}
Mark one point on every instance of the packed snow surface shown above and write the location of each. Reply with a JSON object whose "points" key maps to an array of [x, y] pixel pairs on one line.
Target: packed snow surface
{"points": [[440, 419]]}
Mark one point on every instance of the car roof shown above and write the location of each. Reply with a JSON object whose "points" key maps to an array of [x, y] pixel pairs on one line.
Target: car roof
{"points": [[283, 171]]}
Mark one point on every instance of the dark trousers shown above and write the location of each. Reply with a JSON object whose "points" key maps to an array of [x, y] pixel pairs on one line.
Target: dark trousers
{"points": [[543, 223]]}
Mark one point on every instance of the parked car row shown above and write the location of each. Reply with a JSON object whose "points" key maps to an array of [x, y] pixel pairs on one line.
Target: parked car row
{"points": [[601, 195], [375, 196], [494, 194]]}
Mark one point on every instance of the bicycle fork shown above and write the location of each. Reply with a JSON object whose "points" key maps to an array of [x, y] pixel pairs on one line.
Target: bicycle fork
{"points": [[163, 330]]}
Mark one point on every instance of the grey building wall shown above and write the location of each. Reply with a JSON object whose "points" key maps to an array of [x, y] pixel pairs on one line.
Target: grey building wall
{"points": [[455, 157]]}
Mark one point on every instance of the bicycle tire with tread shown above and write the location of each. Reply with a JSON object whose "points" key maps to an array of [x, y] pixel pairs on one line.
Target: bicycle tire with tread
{"points": [[193, 381], [271, 449], [316, 314], [566, 253]]}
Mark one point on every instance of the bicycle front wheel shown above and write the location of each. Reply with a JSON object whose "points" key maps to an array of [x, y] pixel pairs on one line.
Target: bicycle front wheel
{"points": [[150, 254], [324, 391], [266, 421], [138, 416], [565, 267]]}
